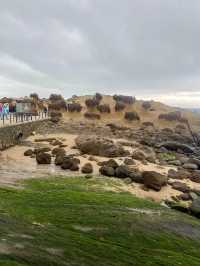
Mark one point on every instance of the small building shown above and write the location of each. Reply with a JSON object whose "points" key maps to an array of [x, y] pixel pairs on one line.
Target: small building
{"points": [[25, 106]]}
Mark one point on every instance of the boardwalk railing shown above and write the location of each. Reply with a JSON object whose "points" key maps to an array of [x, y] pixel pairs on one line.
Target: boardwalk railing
{"points": [[14, 118]]}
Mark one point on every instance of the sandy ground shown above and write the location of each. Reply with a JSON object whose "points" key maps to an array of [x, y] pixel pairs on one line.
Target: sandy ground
{"points": [[15, 166]]}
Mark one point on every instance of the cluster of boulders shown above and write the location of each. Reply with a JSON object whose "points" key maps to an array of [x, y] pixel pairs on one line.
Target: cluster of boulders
{"points": [[44, 155]]}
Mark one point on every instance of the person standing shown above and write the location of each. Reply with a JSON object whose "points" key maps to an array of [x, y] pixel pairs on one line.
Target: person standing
{"points": [[1, 111], [6, 110]]}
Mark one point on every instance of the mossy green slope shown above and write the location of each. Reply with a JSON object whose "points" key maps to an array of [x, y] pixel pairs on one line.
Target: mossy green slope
{"points": [[74, 221]]}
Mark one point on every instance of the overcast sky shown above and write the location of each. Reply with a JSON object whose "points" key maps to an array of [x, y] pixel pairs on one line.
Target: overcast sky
{"points": [[147, 48]]}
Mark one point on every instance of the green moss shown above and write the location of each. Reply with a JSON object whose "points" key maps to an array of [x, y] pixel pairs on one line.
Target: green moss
{"points": [[74, 221], [167, 156]]}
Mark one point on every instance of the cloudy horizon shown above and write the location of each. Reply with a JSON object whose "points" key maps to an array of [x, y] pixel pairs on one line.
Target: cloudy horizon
{"points": [[145, 48]]}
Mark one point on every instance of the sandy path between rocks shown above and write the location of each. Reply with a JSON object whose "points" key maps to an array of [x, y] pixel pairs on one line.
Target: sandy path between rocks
{"points": [[15, 166]]}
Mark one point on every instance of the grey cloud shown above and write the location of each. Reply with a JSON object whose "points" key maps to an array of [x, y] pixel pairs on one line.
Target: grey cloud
{"points": [[143, 47]]}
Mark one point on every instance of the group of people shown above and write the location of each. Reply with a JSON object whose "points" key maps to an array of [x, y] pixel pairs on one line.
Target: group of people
{"points": [[4, 110]]}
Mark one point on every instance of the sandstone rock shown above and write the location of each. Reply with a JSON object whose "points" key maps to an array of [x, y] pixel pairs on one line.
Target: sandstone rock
{"points": [[138, 155], [107, 171], [194, 161], [175, 162], [74, 167], [87, 168], [41, 150], [100, 146], [131, 116], [180, 174], [136, 176], [195, 208], [56, 142], [154, 180], [43, 158], [195, 176], [175, 146], [184, 197], [59, 159], [129, 161], [70, 163], [58, 151], [28, 152], [181, 187], [122, 171], [110, 163], [190, 166]]}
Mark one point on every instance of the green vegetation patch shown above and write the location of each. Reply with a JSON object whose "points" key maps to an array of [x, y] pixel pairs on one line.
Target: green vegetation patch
{"points": [[75, 221]]}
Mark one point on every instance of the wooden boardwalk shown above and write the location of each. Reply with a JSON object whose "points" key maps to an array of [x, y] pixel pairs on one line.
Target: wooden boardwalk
{"points": [[17, 118]]}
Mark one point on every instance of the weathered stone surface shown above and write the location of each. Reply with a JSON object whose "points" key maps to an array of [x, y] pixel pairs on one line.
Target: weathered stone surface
{"points": [[100, 146], [58, 151], [70, 163], [154, 180], [107, 171], [175, 146], [129, 161], [122, 171], [43, 158], [136, 176], [190, 166], [43, 149], [87, 168], [195, 176], [138, 155], [111, 163], [180, 174], [28, 152], [185, 196], [59, 159], [195, 207], [181, 187]]}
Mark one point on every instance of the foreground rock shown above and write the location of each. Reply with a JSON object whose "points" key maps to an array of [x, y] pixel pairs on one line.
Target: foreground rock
{"points": [[87, 168], [100, 146], [154, 180], [107, 171], [195, 208], [43, 158], [70, 163]]}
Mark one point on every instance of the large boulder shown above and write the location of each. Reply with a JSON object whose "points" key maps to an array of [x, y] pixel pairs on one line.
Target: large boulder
{"points": [[100, 146], [70, 163], [154, 180], [136, 176], [195, 207], [122, 171], [107, 171], [87, 168], [43, 158]]}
